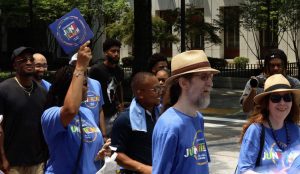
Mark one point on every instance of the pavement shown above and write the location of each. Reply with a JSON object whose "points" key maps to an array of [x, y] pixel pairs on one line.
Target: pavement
{"points": [[225, 102], [223, 141]]}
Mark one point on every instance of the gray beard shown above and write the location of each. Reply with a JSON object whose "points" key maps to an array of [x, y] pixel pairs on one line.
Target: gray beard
{"points": [[203, 102]]}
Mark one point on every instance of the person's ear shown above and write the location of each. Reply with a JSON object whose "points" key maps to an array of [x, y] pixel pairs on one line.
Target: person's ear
{"points": [[183, 82], [139, 94]]}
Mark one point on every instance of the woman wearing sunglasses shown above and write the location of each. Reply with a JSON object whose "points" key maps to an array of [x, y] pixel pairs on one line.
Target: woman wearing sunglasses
{"points": [[272, 130]]}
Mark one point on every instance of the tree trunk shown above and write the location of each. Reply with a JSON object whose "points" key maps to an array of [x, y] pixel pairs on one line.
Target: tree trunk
{"points": [[142, 35]]}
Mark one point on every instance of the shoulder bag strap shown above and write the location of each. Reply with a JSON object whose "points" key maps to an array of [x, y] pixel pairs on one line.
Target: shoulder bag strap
{"points": [[261, 146], [80, 147]]}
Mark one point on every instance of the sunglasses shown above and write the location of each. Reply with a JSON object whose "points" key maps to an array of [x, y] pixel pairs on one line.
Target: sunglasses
{"points": [[276, 98], [25, 59]]}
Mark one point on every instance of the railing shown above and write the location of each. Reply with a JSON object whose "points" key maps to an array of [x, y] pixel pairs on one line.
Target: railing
{"points": [[231, 70]]}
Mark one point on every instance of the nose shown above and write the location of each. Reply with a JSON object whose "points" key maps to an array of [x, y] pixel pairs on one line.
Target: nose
{"points": [[209, 82]]}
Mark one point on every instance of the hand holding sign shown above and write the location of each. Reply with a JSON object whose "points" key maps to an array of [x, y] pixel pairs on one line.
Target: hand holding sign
{"points": [[71, 31]]}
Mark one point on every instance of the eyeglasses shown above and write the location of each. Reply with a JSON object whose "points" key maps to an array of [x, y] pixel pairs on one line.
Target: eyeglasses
{"points": [[204, 76], [25, 59], [276, 98], [156, 89], [41, 65]]}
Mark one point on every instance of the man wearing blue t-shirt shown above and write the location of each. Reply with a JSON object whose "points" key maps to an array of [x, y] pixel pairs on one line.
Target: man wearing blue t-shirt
{"points": [[178, 142], [40, 68]]}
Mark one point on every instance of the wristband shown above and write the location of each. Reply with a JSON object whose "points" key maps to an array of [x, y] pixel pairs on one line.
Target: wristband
{"points": [[78, 72]]}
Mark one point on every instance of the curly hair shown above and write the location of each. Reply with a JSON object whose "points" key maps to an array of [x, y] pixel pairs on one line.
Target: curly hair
{"points": [[260, 114], [108, 43], [274, 53], [59, 88], [156, 57]]}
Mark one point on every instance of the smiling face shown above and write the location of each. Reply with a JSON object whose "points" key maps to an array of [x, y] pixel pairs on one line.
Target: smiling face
{"points": [[24, 64], [149, 92], [40, 66], [279, 109]]}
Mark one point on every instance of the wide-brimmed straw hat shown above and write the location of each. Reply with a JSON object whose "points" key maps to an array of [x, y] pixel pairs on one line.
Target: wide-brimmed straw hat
{"points": [[190, 62], [277, 83]]}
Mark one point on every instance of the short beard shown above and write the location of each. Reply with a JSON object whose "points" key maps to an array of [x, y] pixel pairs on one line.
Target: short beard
{"points": [[203, 102]]}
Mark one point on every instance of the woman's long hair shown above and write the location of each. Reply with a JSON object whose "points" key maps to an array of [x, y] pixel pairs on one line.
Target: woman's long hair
{"points": [[60, 85], [260, 114]]}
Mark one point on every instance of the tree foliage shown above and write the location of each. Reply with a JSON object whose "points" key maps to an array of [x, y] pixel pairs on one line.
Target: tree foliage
{"points": [[123, 29], [99, 13], [196, 26]]}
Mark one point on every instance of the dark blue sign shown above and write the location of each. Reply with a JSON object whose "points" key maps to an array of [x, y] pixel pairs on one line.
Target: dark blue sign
{"points": [[71, 31]]}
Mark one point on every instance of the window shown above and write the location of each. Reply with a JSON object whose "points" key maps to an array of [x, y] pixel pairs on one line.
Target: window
{"points": [[231, 31]]}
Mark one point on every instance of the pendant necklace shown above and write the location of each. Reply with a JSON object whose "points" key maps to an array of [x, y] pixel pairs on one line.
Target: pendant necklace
{"points": [[279, 144], [26, 90]]}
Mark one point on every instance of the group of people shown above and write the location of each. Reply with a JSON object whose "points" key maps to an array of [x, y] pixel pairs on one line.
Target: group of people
{"points": [[68, 126]]}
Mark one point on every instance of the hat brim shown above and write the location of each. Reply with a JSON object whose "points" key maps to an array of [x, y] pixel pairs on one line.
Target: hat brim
{"points": [[296, 93], [206, 69]]}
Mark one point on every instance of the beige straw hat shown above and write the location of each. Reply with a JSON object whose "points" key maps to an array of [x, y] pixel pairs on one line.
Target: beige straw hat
{"points": [[189, 62], [276, 83]]}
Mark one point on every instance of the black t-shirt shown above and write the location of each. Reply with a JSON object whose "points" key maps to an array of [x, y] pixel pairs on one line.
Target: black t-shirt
{"points": [[135, 144], [110, 80], [24, 142]]}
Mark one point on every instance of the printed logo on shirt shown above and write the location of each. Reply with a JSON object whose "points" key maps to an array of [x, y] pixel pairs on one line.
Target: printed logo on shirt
{"points": [[90, 132], [92, 100], [198, 150], [281, 160]]}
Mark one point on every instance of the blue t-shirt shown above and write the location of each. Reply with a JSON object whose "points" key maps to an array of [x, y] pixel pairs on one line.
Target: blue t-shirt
{"points": [[272, 157], [45, 84], [179, 145], [94, 99], [64, 143]]}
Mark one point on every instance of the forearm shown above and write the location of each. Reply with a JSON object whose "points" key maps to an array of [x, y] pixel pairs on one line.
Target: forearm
{"points": [[2, 152], [73, 98], [102, 123], [130, 164], [248, 102]]}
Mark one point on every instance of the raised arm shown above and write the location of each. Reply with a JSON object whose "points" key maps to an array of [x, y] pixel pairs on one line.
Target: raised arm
{"points": [[74, 96]]}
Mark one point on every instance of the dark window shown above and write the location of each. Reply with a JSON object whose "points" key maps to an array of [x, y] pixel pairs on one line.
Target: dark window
{"points": [[231, 31], [166, 47]]}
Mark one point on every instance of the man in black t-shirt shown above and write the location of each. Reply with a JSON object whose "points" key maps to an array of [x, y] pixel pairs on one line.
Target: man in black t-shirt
{"points": [[110, 76], [23, 149], [132, 130]]}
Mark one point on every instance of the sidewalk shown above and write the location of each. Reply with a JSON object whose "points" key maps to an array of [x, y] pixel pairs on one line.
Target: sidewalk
{"points": [[225, 102]]}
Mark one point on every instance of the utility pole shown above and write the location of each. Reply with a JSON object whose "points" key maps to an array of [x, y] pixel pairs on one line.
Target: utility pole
{"points": [[182, 25], [142, 47]]}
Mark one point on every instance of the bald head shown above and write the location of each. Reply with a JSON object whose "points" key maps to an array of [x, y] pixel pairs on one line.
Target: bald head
{"points": [[139, 80], [40, 66]]}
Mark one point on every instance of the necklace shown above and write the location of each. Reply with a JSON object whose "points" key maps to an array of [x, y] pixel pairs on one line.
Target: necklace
{"points": [[26, 90], [281, 146]]}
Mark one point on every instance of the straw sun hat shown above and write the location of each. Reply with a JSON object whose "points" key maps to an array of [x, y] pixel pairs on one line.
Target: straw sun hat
{"points": [[189, 62], [277, 83]]}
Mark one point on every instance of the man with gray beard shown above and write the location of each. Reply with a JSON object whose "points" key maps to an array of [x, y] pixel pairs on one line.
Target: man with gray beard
{"points": [[178, 142]]}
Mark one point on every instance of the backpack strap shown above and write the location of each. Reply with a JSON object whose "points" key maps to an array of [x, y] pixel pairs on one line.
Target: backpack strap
{"points": [[261, 145]]}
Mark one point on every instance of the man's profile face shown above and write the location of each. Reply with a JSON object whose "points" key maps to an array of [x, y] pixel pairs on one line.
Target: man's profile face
{"points": [[275, 66], [199, 88]]}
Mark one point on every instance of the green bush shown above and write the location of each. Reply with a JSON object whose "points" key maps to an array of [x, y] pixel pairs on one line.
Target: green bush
{"points": [[241, 62]]}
